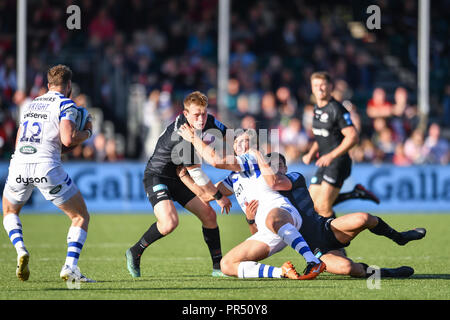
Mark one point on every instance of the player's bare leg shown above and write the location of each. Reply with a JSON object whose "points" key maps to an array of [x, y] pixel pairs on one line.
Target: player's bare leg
{"points": [[167, 220], [337, 263], [249, 250], [346, 227], [13, 227], [280, 221], [75, 208], [241, 262], [205, 213], [323, 196]]}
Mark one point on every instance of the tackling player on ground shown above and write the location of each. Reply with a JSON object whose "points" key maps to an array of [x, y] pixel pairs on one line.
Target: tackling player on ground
{"points": [[47, 127], [335, 136], [277, 220], [163, 186], [329, 235]]}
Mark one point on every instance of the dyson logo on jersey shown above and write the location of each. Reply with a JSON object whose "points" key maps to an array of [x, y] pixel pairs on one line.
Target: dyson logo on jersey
{"points": [[28, 150], [27, 181]]}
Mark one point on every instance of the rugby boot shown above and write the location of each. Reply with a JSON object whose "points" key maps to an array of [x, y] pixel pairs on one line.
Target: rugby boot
{"points": [[312, 270]]}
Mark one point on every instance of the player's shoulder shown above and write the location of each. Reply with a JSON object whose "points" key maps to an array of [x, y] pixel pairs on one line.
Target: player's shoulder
{"points": [[213, 122], [335, 105], [295, 176], [61, 100]]}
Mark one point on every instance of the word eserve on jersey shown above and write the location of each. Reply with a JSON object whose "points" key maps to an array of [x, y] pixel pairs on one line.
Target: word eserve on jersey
{"points": [[39, 127]]}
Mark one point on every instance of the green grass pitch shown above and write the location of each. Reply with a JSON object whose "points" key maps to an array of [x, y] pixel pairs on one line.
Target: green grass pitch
{"points": [[178, 266]]}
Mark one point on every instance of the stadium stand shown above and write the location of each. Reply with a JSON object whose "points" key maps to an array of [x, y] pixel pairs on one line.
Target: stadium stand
{"points": [[134, 61]]}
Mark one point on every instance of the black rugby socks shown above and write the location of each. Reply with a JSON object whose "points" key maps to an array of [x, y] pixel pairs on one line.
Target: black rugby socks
{"points": [[150, 236], [212, 239], [383, 229]]}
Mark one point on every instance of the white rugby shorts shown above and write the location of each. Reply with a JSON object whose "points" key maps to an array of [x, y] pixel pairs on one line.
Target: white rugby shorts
{"points": [[273, 240], [50, 178]]}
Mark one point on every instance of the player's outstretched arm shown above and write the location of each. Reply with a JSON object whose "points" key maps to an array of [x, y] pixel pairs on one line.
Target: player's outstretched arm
{"points": [[206, 186], [186, 178], [276, 181], [208, 153]]}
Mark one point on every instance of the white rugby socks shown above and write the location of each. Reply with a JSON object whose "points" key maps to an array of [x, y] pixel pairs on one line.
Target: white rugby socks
{"points": [[292, 237], [252, 269], [75, 241], [13, 227]]}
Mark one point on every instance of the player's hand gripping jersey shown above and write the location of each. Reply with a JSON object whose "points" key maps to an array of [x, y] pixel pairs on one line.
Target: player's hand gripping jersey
{"points": [[169, 149], [249, 184], [39, 139]]}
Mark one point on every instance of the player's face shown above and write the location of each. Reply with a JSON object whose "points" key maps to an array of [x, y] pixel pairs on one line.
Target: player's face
{"points": [[196, 116], [241, 144], [282, 168], [321, 89]]}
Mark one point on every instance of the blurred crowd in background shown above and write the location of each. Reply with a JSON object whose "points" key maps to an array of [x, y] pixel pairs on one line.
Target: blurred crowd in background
{"points": [[169, 48]]}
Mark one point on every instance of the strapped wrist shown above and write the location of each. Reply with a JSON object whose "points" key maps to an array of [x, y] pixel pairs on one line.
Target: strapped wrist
{"points": [[89, 132], [218, 195], [250, 221]]}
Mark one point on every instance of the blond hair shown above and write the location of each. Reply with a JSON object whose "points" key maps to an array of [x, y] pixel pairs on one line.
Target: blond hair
{"points": [[323, 75], [196, 98], [59, 76]]}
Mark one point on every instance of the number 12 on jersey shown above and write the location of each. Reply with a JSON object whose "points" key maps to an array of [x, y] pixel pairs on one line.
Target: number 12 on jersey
{"points": [[36, 132]]}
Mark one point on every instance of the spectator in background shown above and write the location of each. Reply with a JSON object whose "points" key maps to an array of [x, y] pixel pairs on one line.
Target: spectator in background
{"points": [[152, 123], [379, 124], [8, 76], [414, 148], [269, 112], [386, 145], [436, 149], [232, 96], [99, 147], [294, 140], [398, 121], [102, 26], [242, 105], [378, 107], [20, 99], [111, 151], [248, 122], [368, 150], [400, 158]]}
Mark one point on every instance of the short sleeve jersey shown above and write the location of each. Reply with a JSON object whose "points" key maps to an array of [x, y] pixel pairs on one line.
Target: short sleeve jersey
{"points": [[39, 139], [327, 125], [171, 150], [248, 184]]}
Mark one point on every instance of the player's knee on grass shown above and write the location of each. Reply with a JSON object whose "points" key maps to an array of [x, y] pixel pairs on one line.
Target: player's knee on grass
{"points": [[339, 265], [228, 267]]}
